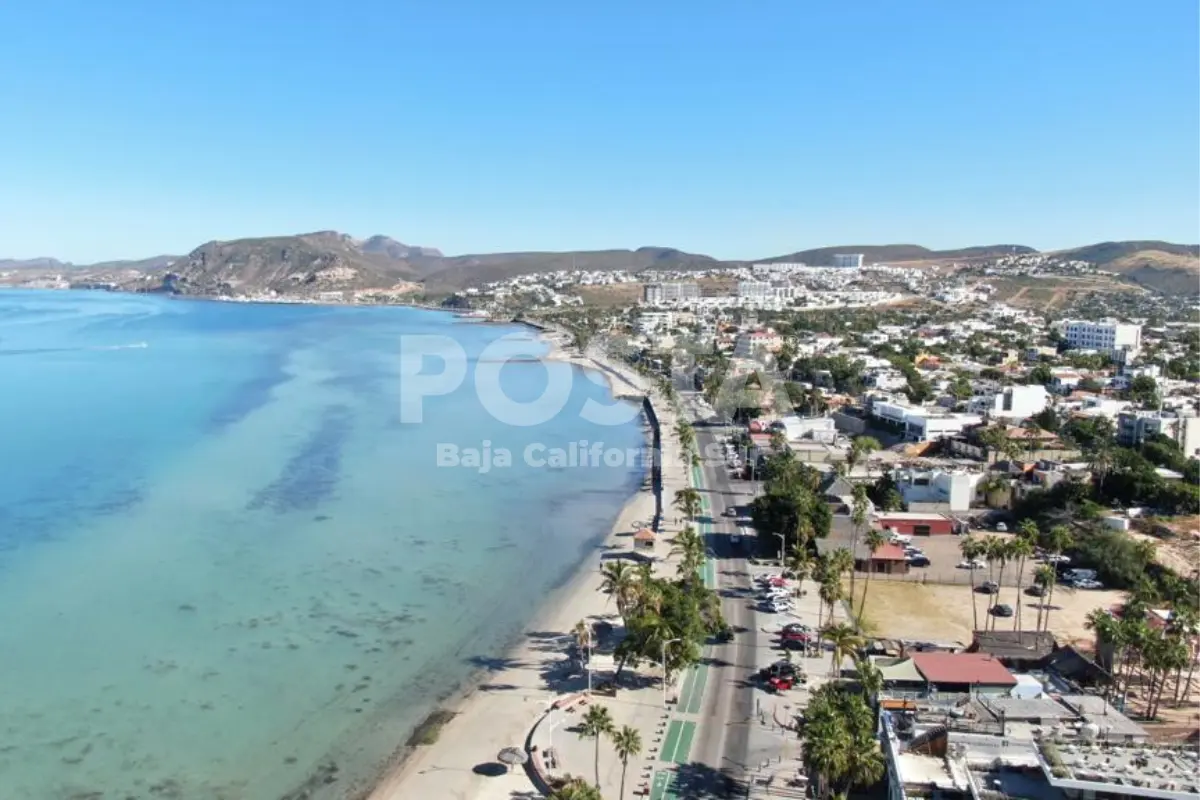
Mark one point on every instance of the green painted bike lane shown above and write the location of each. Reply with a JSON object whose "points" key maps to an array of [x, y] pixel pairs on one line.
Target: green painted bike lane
{"points": [[678, 743]]}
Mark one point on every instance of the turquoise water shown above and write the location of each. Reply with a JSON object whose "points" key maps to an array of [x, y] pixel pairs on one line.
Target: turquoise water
{"points": [[225, 559]]}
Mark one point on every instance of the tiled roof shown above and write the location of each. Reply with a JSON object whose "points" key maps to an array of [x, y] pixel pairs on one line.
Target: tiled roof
{"points": [[970, 668]]}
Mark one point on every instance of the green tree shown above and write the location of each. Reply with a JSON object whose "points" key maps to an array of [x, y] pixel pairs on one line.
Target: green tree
{"points": [[845, 641], [596, 724], [1044, 577], [620, 582], [687, 500], [874, 541], [972, 548], [628, 744], [1022, 547], [575, 789]]}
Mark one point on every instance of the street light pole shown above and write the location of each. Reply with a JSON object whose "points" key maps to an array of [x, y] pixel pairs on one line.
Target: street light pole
{"points": [[782, 543], [664, 666]]}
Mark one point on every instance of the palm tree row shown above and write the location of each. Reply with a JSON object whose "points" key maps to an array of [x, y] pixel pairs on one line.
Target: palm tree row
{"points": [[999, 552], [840, 751], [827, 572], [1130, 648], [598, 724]]}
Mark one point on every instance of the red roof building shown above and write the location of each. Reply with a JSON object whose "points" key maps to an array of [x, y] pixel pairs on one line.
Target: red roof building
{"points": [[950, 671]]}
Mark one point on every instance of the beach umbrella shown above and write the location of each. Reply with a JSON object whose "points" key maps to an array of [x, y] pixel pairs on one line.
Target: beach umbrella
{"points": [[511, 756]]}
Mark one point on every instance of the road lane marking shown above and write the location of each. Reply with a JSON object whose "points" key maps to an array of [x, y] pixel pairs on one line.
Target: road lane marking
{"points": [[693, 706], [685, 743], [671, 742]]}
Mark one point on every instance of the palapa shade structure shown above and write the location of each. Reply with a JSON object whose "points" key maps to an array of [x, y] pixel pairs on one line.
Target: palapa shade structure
{"points": [[512, 756], [643, 538]]}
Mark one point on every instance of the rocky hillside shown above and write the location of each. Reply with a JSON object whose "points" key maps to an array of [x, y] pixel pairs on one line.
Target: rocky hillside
{"points": [[1160, 266], [896, 253], [306, 264]]}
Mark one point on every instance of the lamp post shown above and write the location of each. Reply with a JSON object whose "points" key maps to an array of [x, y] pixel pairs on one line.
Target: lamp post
{"points": [[782, 543], [664, 666], [591, 632]]}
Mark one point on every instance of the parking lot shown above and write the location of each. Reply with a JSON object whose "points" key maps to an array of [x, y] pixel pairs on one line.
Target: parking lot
{"points": [[944, 556]]}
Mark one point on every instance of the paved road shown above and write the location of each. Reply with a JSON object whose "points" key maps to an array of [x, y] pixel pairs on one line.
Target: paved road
{"points": [[722, 740]]}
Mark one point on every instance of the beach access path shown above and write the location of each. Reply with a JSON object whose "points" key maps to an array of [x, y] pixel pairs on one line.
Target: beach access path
{"points": [[501, 710]]}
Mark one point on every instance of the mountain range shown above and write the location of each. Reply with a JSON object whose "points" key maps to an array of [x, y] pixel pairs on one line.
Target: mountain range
{"points": [[328, 260]]}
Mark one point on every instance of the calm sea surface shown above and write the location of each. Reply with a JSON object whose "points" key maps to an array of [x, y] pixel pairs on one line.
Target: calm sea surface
{"points": [[226, 561]]}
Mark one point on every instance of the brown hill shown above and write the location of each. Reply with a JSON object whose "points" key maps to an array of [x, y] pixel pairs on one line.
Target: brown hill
{"points": [[895, 253], [1161, 266], [304, 264]]}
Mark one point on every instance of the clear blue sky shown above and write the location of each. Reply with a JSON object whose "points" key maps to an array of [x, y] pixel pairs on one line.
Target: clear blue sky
{"points": [[740, 129]]}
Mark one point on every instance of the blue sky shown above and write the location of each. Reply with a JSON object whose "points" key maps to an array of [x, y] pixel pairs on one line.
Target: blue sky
{"points": [[742, 130]]}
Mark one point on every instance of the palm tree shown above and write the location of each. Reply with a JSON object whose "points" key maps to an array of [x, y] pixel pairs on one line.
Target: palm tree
{"points": [[1023, 548], [870, 678], [596, 724], [690, 546], [1044, 577], [1001, 552], [874, 541], [858, 516], [799, 563], [826, 752], [575, 789], [845, 641], [620, 582], [861, 446], [583, 634], [1058, 539], [971, 548], [688, 502], [830, 592], [628, 744], [1110, 640]]}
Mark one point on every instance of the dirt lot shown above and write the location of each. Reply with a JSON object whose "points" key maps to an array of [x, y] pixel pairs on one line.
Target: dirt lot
{"points": [[944, 556], [940, 613]]}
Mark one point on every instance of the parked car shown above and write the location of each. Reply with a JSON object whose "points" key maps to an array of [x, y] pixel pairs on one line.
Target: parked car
{"points": [[975, 564], [1037, 590], [919, 561], [731, 511], [1088, 583], [1002, 610], [1001, 527], [779, 606], [988, 587]]}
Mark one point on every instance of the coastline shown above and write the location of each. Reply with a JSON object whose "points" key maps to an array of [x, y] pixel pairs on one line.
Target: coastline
{"points": [[497, 707]]}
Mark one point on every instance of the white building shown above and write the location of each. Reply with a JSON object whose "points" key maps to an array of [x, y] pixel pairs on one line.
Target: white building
{"points": [[1106, 335], [755, 289], [954, 490], [1134, 427], [748, 344], [1012, 402], [818, 429], [848, 259], [659, 293], [650, 322], [929, 427]]}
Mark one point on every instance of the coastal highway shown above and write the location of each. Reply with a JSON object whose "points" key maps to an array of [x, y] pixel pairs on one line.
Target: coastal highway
{"points": [[722, 747]]}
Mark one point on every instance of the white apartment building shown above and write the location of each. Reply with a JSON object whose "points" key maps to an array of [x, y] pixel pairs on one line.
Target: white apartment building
{"points": [[954, 490], [1011, 402], [659, 293], [848, 259], [650, 322], [748, 344], [755, 289], [1106, 335], [1134, 427], [929, 427], [796, 428]]}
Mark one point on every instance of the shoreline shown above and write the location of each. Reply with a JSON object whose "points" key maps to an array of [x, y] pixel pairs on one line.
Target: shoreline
{"points": [[484, 721]]}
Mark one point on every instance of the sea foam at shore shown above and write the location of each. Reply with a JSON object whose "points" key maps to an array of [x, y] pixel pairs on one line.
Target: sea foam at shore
{"points": [[231, 568]]}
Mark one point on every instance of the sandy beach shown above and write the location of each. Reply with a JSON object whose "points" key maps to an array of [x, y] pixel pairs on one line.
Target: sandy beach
{"points": [[499, 710]]}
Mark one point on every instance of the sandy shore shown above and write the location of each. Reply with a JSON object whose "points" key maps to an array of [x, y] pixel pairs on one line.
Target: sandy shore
{"points": [[500, 710]]}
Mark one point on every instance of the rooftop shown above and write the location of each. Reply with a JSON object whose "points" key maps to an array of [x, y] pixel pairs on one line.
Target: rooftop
{"points": [[1098, 711], [963, 668], [1015, 645], [908, 515], [1137, 770]]}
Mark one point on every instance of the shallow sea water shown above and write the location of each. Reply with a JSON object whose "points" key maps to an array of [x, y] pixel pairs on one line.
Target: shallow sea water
{"points": [[224, 559]]}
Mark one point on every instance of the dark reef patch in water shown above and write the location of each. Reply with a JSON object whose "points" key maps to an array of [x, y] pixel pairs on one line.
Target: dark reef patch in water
{"points": [[310, 476], [251, 395]]}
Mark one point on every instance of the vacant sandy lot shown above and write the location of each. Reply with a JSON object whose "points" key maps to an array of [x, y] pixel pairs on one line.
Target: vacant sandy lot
{"points": [[939, 613]]}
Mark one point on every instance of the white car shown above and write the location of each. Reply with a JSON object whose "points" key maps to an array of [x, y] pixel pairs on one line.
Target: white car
{"points": [[900, 538], [1088, 583], [971, 564], [779, 608]]}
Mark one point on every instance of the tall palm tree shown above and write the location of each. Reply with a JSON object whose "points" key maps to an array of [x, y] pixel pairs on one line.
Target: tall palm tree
{"points": [[870, 678], [620, 583], [826, 753], [1001, 550], [858, 516], [799, 563], [628, 744], [875, 540], [845, 641], [830, 592], [1022, 548], [583, 634], [690, 546], [972, 548], [1110, 641], [1044, 577], [596, 724], [687, 500]]}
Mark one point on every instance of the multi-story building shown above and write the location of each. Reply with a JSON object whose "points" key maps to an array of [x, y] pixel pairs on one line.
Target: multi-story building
{"points": [[654, 321], [749, 343], [1011, 402], [755, 289], [848, 259], [1106, 335], [936, 489], [659, 293], [1134, 427]]}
